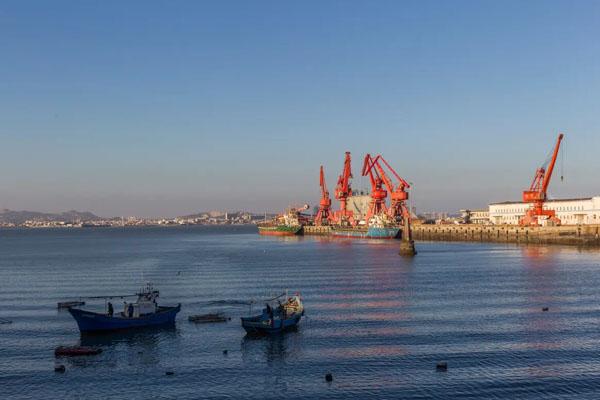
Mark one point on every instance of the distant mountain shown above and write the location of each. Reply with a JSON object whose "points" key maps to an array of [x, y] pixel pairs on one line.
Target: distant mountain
{"points": [[18, 217]]}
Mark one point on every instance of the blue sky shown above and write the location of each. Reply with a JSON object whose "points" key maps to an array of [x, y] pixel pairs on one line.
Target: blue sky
{"points": [[170, 107]]}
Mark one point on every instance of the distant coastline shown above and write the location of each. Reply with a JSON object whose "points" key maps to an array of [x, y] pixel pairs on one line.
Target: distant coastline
{"points": [[77, 219]]}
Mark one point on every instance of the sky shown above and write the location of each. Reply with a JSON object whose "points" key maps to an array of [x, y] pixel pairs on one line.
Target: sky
{"points": [[165, 108]]}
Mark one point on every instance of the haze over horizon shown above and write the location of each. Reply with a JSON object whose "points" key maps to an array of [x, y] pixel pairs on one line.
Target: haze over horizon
{"points": [[169, 108]]}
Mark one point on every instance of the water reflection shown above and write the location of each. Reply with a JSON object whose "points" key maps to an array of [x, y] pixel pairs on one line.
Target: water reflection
{"points": [[148, 337], [272, 349]]}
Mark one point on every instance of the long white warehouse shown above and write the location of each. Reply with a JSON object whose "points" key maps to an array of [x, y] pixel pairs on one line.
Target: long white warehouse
{"points": [[584, 211]]}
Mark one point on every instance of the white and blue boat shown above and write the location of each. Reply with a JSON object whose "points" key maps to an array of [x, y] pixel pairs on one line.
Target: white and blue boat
{"points": [[276, 318], [143, 313]]}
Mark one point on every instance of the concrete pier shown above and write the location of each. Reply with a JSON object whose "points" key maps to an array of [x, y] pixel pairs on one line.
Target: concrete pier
{"points": [[573, 235], [407, 244]]}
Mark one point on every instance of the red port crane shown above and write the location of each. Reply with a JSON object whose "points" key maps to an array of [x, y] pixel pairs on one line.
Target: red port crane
{"points": [[342, 191], [378, 193], [398, 194], [537, 192], [324, 216]]}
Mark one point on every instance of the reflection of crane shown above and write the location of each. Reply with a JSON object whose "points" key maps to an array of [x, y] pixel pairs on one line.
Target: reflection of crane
{"points": [[398, 193], [378, 193], [323, 216], [537, 192], [342, 192]]}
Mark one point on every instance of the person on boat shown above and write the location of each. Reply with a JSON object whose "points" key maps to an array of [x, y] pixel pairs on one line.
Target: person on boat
{"points": [[110, 309], [130, 310]]}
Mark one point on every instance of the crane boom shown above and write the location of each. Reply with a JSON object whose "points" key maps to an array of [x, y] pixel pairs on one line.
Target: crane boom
{"points": [[552, 163], [342, 192], [378, 193], [398, 193], [537, 193], [324, 214]]}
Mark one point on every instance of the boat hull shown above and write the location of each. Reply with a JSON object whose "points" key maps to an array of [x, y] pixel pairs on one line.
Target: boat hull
{"points": [[369, 233], [279, 230], [88, 321], [254, 325]]}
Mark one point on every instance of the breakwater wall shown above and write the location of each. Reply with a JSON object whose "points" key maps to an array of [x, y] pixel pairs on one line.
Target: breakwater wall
{"points": [[573, 235]]}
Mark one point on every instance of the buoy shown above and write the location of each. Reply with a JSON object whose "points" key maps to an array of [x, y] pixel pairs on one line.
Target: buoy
{"points": [[328, 377], [169, 373], [59, 368], [225, 352], [545, 309], [442, 366]]}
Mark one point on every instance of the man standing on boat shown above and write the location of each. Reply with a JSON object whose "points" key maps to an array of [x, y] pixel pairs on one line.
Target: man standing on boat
{"points": [[110, 309]]}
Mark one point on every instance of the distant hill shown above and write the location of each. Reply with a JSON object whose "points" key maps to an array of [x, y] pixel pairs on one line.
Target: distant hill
{"points": [[18, 217]]}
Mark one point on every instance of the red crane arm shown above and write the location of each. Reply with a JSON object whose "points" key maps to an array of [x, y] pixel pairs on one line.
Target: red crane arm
{"points": [[393, 171], [386, 180], [368, 169], [548, 175], [343, 186], [322, 183]]}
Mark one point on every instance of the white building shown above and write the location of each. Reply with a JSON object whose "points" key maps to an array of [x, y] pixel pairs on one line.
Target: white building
{"points": [[480, 217], [570, 211]]}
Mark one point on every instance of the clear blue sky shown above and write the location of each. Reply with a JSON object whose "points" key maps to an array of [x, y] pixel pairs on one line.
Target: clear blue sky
{"points": [[170, 107]]}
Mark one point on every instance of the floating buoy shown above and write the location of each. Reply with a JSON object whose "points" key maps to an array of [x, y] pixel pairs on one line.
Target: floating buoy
{"points": [[59, 368], [329, 377], [545, 309], [442, 366], [224, 352], [169, 373]]}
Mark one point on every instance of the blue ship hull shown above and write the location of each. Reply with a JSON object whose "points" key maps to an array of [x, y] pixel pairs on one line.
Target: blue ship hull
{"points": [[369, 233], [88, 321], [254, 325]]}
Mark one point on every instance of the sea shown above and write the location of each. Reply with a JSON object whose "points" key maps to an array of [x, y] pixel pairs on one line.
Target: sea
{"points": [[377, 322]]}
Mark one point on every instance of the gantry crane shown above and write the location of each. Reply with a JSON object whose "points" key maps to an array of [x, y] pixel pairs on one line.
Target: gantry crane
{"points": [[537, 192], [398, 194], [324, 215], [342, 191], [378, 193]]}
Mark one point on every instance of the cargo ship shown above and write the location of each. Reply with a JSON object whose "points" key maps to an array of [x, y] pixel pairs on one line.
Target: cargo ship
{"points": [[377, 228], [275, 229], [364, 232], [287, 224]]}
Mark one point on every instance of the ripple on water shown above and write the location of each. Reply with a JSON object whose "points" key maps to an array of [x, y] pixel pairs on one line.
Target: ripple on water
{"points": [[378, 322]]}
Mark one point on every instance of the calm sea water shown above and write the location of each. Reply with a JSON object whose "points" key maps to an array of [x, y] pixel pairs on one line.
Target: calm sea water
{"points": [[379, 323]]}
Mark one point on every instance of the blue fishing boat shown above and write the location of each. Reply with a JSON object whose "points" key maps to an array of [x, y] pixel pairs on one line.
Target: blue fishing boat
{"points": [[276, 318], [143, 313]]}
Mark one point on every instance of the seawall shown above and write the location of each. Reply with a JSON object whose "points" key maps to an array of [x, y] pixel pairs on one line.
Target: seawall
{"points": [[573, 235]]}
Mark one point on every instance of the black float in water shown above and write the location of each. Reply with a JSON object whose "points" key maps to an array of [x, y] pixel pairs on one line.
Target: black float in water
{"points": [[545, 309], [169, 373], [59, 368], [442, 366], [329, 377], [224, 352]]}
